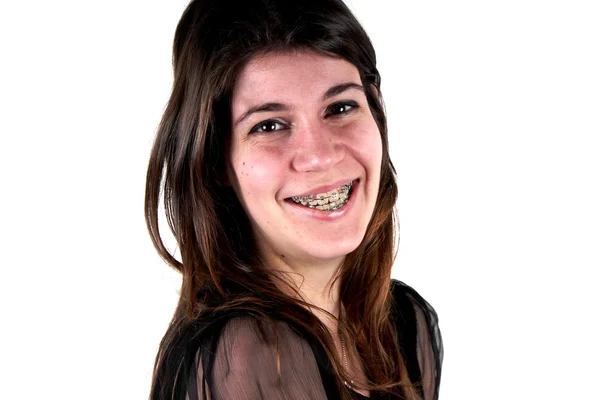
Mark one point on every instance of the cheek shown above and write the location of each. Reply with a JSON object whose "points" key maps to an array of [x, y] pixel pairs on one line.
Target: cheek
{"points": [[366, 144], [259, 170]]}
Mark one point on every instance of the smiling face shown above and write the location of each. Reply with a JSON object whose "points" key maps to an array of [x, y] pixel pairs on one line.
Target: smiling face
{"points": [[301, 126]]}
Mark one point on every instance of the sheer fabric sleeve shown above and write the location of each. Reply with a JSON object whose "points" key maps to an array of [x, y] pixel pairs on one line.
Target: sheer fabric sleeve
{"points": [[245, 365], [430, 350]]}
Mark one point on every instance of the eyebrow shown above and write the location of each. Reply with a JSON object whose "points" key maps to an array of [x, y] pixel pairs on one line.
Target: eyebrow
{"points": [[270, 107], [338, 89]]}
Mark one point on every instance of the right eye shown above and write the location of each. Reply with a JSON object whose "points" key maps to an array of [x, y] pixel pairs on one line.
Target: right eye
{"points": [[268, 126]]}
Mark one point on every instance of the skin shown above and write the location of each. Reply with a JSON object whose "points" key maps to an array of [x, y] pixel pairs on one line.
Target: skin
{"points": [[306, 143], [310, 143]]}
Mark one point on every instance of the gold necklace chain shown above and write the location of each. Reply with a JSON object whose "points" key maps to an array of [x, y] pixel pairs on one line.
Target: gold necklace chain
{"points": [[345, 360]]}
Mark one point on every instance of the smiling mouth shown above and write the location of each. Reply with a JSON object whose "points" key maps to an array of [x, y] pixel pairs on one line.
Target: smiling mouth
{"points": [[328, 201]]}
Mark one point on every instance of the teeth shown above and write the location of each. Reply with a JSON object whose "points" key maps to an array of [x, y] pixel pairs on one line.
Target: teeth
{"points": [[328, 201]]}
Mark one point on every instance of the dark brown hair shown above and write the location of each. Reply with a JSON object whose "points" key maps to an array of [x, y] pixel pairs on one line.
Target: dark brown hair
{"points": [[219, 261]]}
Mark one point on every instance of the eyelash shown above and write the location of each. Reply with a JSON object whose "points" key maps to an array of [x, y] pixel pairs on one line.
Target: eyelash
{"points": [[352, 104], [270, 122]]}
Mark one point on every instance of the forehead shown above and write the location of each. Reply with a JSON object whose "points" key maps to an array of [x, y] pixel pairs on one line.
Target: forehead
{"points": [[290, 78]]}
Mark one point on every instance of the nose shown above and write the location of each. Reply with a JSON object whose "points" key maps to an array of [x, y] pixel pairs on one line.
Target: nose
{"points": [[318, 148]]}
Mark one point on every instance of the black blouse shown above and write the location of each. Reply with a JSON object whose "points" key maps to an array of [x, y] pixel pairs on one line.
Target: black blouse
{"points": [[239, 352]]}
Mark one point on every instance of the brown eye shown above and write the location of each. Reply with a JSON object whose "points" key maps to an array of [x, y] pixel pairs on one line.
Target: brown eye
{"points": [[341, 108], [268, 126]]}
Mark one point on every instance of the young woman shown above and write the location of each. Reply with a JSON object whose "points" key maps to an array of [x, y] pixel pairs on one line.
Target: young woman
{"points": [[272, 157]]}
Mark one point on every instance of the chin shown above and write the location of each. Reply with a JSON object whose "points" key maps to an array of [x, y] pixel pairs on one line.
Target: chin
{"points": [[333, 250]]}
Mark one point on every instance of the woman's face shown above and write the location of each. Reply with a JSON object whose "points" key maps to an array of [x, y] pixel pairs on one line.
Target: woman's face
{"points": [[301, 126]]}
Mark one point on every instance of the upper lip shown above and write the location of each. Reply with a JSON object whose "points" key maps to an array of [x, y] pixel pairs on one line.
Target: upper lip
{"points": [[325, 188]]}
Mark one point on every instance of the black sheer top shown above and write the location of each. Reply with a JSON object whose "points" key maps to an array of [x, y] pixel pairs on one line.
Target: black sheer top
{"points": [[238, 353]]}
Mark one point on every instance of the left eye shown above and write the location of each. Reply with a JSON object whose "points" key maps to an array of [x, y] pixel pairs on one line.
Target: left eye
{"points": [[341, 108]]}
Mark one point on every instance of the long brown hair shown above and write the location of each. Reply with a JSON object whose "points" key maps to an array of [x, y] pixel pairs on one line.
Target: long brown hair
{"points": [[219, 261]]}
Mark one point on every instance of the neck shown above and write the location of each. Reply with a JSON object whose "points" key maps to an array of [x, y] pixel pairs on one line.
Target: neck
{"points": [[314, 281]]}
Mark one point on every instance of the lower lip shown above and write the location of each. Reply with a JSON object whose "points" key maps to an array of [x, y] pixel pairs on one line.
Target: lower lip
{"points": [[327, 215]]}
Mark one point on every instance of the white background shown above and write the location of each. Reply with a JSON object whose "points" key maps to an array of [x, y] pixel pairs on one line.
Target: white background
{"points": [[494, 120]]}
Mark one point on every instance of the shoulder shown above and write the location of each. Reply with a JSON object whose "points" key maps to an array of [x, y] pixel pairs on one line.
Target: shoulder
{"points": [[412, 309], [259, 357], [249, 334], [213, 337], [419, 337], [405, 298]]}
